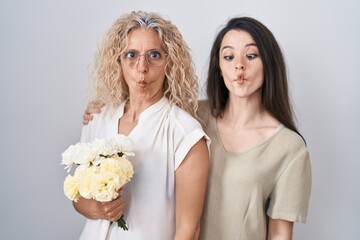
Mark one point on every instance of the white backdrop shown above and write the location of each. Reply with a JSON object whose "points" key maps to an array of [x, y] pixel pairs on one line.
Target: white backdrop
{"points": [[46, 50]]}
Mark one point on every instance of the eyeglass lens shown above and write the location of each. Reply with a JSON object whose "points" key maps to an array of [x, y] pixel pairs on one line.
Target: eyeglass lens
{"points": [[153, 57]]}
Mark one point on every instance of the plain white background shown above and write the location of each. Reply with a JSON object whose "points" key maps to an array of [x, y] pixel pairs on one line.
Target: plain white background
{"points": [[46, 52]]}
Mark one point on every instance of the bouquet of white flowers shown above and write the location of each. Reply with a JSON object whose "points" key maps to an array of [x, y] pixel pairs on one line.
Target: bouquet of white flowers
{"points": [[101, 169]]}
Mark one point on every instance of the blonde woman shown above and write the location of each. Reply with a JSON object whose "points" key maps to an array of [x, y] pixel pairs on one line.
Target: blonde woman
{"points": [[145, 80]]}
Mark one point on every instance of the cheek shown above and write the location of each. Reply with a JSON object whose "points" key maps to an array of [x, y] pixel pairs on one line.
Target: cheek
{"points": [[159, 76], [125, 72], [127, 77], [258, 72], [224, 71]]}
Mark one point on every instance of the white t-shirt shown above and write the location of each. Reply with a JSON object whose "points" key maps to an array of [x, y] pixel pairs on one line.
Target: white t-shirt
{"points": [[163, 137]]}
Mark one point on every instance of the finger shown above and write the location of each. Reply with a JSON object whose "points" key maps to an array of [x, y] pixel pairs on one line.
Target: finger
{"points": [[87, 116], [97, 104], [107, 212], [92, 110], [95, 109], [120, 191], [119, 201], [94, 106], [117, 212], [113, 210]]}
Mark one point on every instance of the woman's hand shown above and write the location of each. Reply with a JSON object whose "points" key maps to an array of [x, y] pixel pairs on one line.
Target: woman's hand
{"points": [[92, 209], [92, 108]]}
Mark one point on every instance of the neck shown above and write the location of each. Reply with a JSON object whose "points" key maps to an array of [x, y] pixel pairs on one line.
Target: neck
{"points": [[134, 107], [243, 111]]}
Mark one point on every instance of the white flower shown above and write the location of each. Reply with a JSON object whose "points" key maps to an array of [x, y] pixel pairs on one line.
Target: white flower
{"points": [[98, 159], [71, 188], [80, 153], [124, 144], [85, 177], [105, 147], [104, 187], [100, 171], [125, 168]]}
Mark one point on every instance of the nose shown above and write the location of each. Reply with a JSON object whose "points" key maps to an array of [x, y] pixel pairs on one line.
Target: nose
{"points": [[142, 64], [240, 64]]}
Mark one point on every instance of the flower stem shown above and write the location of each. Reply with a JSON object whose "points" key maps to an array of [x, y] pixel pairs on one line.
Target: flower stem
{"points": [[121, 223]]}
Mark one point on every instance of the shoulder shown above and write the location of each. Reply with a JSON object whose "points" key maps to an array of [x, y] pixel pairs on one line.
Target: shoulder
{"points": [[289, 145], [285, 145], [182, 124], [290, 138], [203, 104], [108, 113], [204, 112], [204, 109], [99, 123], [180, 117]]}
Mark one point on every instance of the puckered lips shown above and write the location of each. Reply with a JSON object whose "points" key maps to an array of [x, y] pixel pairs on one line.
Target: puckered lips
{"points": [[240, 79], [143, 83]]}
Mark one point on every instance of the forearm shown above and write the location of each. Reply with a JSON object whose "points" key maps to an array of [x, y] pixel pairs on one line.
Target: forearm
{"points": [[185, 233], [280, 229], [280, 237]]}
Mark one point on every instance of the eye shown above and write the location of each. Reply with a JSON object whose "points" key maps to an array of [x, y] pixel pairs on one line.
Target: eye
{"points": [[228, 57], [130, 54], [154, 54], [251, 56]]}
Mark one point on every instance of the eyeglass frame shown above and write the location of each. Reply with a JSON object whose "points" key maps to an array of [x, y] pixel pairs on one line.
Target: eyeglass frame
{"points": [[139, 55]]}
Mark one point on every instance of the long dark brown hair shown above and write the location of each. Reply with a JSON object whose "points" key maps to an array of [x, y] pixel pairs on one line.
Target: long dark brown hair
{"points": [[274, 95]]}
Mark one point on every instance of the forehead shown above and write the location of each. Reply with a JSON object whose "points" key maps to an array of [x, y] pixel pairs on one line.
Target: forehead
{"points": [[237, 39], [143, 39]]}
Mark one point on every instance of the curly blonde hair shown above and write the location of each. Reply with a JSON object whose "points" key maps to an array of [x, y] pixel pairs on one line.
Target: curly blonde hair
{"points": [[180, 85]]}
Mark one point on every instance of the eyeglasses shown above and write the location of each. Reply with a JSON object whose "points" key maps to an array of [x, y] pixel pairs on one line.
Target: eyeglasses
{"points": [[154, 58]]}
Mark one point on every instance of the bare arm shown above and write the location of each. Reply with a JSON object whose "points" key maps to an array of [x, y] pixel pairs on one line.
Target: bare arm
{"points": [[190, 184], [94, 210], [280, 229]]}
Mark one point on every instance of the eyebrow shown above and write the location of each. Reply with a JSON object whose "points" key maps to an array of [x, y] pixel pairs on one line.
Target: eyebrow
{"points": [[134, 50], [231, 47]]}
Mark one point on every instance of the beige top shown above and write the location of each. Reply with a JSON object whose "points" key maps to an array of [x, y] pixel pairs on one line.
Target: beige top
{"points": [[271, 179]]}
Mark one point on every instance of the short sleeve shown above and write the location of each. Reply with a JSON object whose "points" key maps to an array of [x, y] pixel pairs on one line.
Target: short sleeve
{"points": [[186, 131], [188, 142], [290, 197]]}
